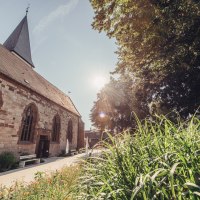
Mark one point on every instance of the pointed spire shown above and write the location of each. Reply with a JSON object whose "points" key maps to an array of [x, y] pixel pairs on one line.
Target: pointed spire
{"points": [[27, 9], [19, 42]]}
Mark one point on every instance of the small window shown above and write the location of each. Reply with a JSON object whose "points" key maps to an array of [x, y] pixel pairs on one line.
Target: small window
{"points": [[56, 129], [28, 123], [70, 131]]}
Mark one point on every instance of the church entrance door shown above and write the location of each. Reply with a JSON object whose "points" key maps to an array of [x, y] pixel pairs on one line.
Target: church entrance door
{"points": [[43, 147]]}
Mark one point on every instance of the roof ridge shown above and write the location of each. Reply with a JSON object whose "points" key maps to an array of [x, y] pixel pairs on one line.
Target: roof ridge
{"points": [[18, 70], [59, 91]]}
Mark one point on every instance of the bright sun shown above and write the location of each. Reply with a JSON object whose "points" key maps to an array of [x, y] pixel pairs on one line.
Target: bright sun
{"points": [[99, 82]]}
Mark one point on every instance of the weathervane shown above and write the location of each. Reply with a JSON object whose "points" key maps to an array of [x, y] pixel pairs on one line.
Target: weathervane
{"points": [[27, 9]]}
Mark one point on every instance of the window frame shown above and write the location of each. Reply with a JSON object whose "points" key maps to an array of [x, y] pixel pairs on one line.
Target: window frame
{"points": [[28, 124], [70, 131], [56, 127]]}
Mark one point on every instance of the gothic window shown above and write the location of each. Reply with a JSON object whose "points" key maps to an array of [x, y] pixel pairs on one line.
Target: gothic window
{"points": [[56, 129], [28, 123], [70, 131]]}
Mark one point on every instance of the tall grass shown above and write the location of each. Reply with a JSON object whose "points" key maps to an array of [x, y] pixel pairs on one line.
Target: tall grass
{"points": [[161, 160], [57, 186]]}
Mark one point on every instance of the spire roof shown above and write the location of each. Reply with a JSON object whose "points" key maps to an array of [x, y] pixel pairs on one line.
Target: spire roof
{"points": [[19, 42]]}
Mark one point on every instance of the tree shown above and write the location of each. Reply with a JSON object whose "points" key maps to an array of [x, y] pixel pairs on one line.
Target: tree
{"points": [[158, 50], [119, 101], [153, 36], [111, 107], [111, 110]]}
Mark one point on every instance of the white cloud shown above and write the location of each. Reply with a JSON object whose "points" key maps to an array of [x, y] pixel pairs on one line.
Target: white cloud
{"points": [[60, 12]]}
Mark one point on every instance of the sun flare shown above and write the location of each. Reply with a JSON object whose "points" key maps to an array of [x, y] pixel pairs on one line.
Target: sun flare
{"points": [[99, 82]]}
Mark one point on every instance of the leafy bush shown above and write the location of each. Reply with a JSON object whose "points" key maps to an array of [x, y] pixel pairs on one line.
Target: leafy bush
{"points": [[160, 161], [7, 160]]}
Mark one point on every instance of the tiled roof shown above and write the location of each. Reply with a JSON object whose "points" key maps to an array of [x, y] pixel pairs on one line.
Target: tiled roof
{"points": [[19, 41], [15, 68]]}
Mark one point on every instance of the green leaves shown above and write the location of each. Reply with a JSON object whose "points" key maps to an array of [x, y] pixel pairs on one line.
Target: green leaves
{"points": [[159, 48]]}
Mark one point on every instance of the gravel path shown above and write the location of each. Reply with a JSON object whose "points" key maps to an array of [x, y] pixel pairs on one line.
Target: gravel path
{"points": [[27, 174]]}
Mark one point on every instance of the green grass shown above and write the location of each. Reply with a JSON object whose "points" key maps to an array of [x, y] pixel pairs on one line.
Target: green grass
{"points": [[57, 186], [160, 161]]}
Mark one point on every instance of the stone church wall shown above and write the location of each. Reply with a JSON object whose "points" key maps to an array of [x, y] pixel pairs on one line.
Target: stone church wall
{"points": [[14, 98]]}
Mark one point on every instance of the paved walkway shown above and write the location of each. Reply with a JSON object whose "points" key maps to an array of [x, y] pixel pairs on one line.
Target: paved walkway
{"points": [[27, 174]]}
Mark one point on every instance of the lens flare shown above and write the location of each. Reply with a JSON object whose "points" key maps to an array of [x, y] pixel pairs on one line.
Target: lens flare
{"points": [[102, 114]]}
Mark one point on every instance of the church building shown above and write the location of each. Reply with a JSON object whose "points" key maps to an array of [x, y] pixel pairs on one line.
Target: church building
{"points": [[35, 116]]}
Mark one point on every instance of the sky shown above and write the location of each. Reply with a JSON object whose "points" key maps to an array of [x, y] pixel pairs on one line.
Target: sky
{"points": [[65, 49]]}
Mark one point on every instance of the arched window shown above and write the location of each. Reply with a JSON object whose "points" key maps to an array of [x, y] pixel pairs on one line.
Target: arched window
{"points": [[28, 123], [70, 131], [56, 129]]}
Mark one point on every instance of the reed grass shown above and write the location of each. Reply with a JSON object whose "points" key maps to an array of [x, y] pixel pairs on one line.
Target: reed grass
{"points": [[160, 160]]}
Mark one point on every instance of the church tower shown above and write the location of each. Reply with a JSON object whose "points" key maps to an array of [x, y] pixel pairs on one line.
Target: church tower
{"points": [[19, 43]]}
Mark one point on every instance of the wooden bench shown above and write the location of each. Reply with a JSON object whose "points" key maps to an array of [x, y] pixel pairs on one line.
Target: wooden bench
{"points": [[73, 152], [28, 158]]}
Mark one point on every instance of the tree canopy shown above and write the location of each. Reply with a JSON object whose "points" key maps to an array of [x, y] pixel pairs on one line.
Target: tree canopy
{"points": [[158, 50]]}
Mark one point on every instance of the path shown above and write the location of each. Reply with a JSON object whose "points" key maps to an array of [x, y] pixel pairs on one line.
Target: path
{"points": [[27, 174]]}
